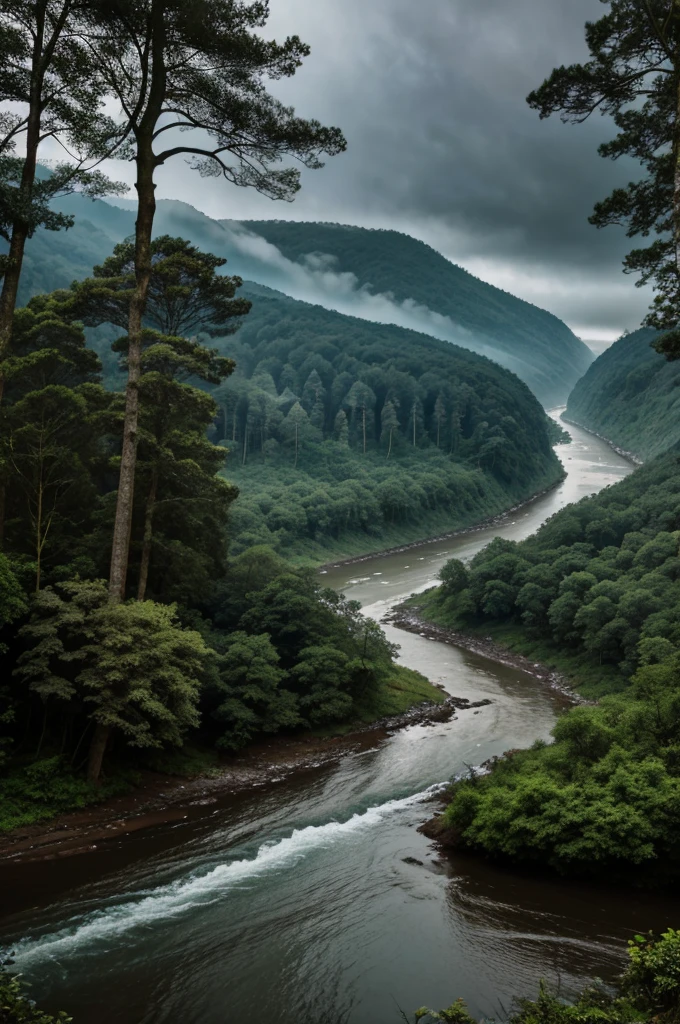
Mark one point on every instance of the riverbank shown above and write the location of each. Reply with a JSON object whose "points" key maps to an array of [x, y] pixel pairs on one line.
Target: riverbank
{"points": [[161, 799], [484, 524], [408, 619], [631, 456]]}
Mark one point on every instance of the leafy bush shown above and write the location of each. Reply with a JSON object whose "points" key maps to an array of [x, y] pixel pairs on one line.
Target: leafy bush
{"points": [[649, 990]]}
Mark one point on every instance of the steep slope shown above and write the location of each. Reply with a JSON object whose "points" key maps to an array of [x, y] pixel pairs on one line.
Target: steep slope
{"points": [[346, 436], [533, 343], [383, 276], [630, 395]]}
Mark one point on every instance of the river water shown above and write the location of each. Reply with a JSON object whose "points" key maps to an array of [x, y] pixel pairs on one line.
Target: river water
{"points": [[293, 904]]}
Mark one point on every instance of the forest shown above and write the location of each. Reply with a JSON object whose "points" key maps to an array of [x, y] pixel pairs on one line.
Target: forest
{"points": [[346, 436], [531, 342], [222, 648], [595, 592], [436, 294], [630, 395]]}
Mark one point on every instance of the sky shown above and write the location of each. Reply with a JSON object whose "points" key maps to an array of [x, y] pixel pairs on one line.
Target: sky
{"points": [[442, 145]]}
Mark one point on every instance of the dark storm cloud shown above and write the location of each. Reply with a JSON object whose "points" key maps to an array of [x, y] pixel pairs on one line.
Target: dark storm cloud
{"points": [[441, 143]]}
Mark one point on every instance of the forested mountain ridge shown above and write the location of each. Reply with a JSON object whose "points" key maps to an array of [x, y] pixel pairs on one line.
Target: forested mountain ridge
{"points": [[532, 342], [346, 435], [381, 275], [630, 395]]}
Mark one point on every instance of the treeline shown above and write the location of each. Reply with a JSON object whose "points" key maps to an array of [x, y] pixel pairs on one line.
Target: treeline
{"points": [[221, 650], [630, 395], [598, 589], [339, 428], [538, 346]]}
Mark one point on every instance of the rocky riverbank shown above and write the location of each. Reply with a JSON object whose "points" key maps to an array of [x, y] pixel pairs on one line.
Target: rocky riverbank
{"points": [[484, 524], [162, 799], [407, 618]]}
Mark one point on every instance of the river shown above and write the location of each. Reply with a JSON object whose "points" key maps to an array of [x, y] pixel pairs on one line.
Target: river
{"points": [[294, 904]]}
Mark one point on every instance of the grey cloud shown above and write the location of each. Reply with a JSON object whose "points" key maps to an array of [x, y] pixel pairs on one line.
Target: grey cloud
{"points": [[441, 143]]}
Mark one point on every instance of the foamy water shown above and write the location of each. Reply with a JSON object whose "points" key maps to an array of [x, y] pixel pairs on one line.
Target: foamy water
{"points": [[86, 933]]}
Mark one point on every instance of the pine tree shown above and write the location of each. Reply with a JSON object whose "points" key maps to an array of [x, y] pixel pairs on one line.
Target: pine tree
{"points": [[439, 415], [341, 429], [389, 424], [634, 75], [199, 67], [51, 85]]}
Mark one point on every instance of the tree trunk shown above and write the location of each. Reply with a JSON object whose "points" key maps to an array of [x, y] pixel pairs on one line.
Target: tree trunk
{"points": [[21, 226], [148, 536], [97, 751], [225, 414], [146, 209], [245, 446], [128, 460], [676, 188], [389, 447]]}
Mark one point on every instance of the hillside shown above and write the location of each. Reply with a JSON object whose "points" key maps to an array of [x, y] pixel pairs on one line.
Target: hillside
{"points": [[630, 395], [382, 276], [347, 436], [595, 593], [533, 343]]}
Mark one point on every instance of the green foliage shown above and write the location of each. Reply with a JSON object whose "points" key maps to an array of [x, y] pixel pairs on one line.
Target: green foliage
{"points": [[17, 1008], [598, 578], [456, 1014], [43, 788], [529, 341], [630, 395], [127, 668], [648, 991], [632, 76]]}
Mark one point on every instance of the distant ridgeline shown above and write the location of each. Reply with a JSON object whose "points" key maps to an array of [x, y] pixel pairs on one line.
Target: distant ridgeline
{"points": [[377, 275], [531, 342], [631, 396], [347, 435]]}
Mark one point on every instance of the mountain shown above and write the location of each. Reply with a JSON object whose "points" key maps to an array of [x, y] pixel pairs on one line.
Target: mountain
{"points": [[381, 276], [449, 302], [346, 436], [631, 395]]}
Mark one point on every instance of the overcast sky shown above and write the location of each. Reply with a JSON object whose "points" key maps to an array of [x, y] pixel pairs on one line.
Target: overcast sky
{"points": [[441, 144]]}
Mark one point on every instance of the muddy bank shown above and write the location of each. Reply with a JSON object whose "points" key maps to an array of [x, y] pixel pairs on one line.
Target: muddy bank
{"points": [[162, 799], [408, 619], [631, 456], [484, 524]]}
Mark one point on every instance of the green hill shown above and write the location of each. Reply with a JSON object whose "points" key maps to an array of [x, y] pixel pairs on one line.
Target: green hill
{"points": [[630, 395], [347, 436], [381, 276], [533, 343], [596, 593]]}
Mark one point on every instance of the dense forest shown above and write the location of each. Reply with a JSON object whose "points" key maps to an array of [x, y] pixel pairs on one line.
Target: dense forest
{"points": [[630, 395], [215, 648], [345, 436], [437, 295], [597, 592], [533, 343]]}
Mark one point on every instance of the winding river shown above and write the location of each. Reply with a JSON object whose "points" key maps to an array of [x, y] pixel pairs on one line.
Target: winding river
{"points": [[294, 904]]}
